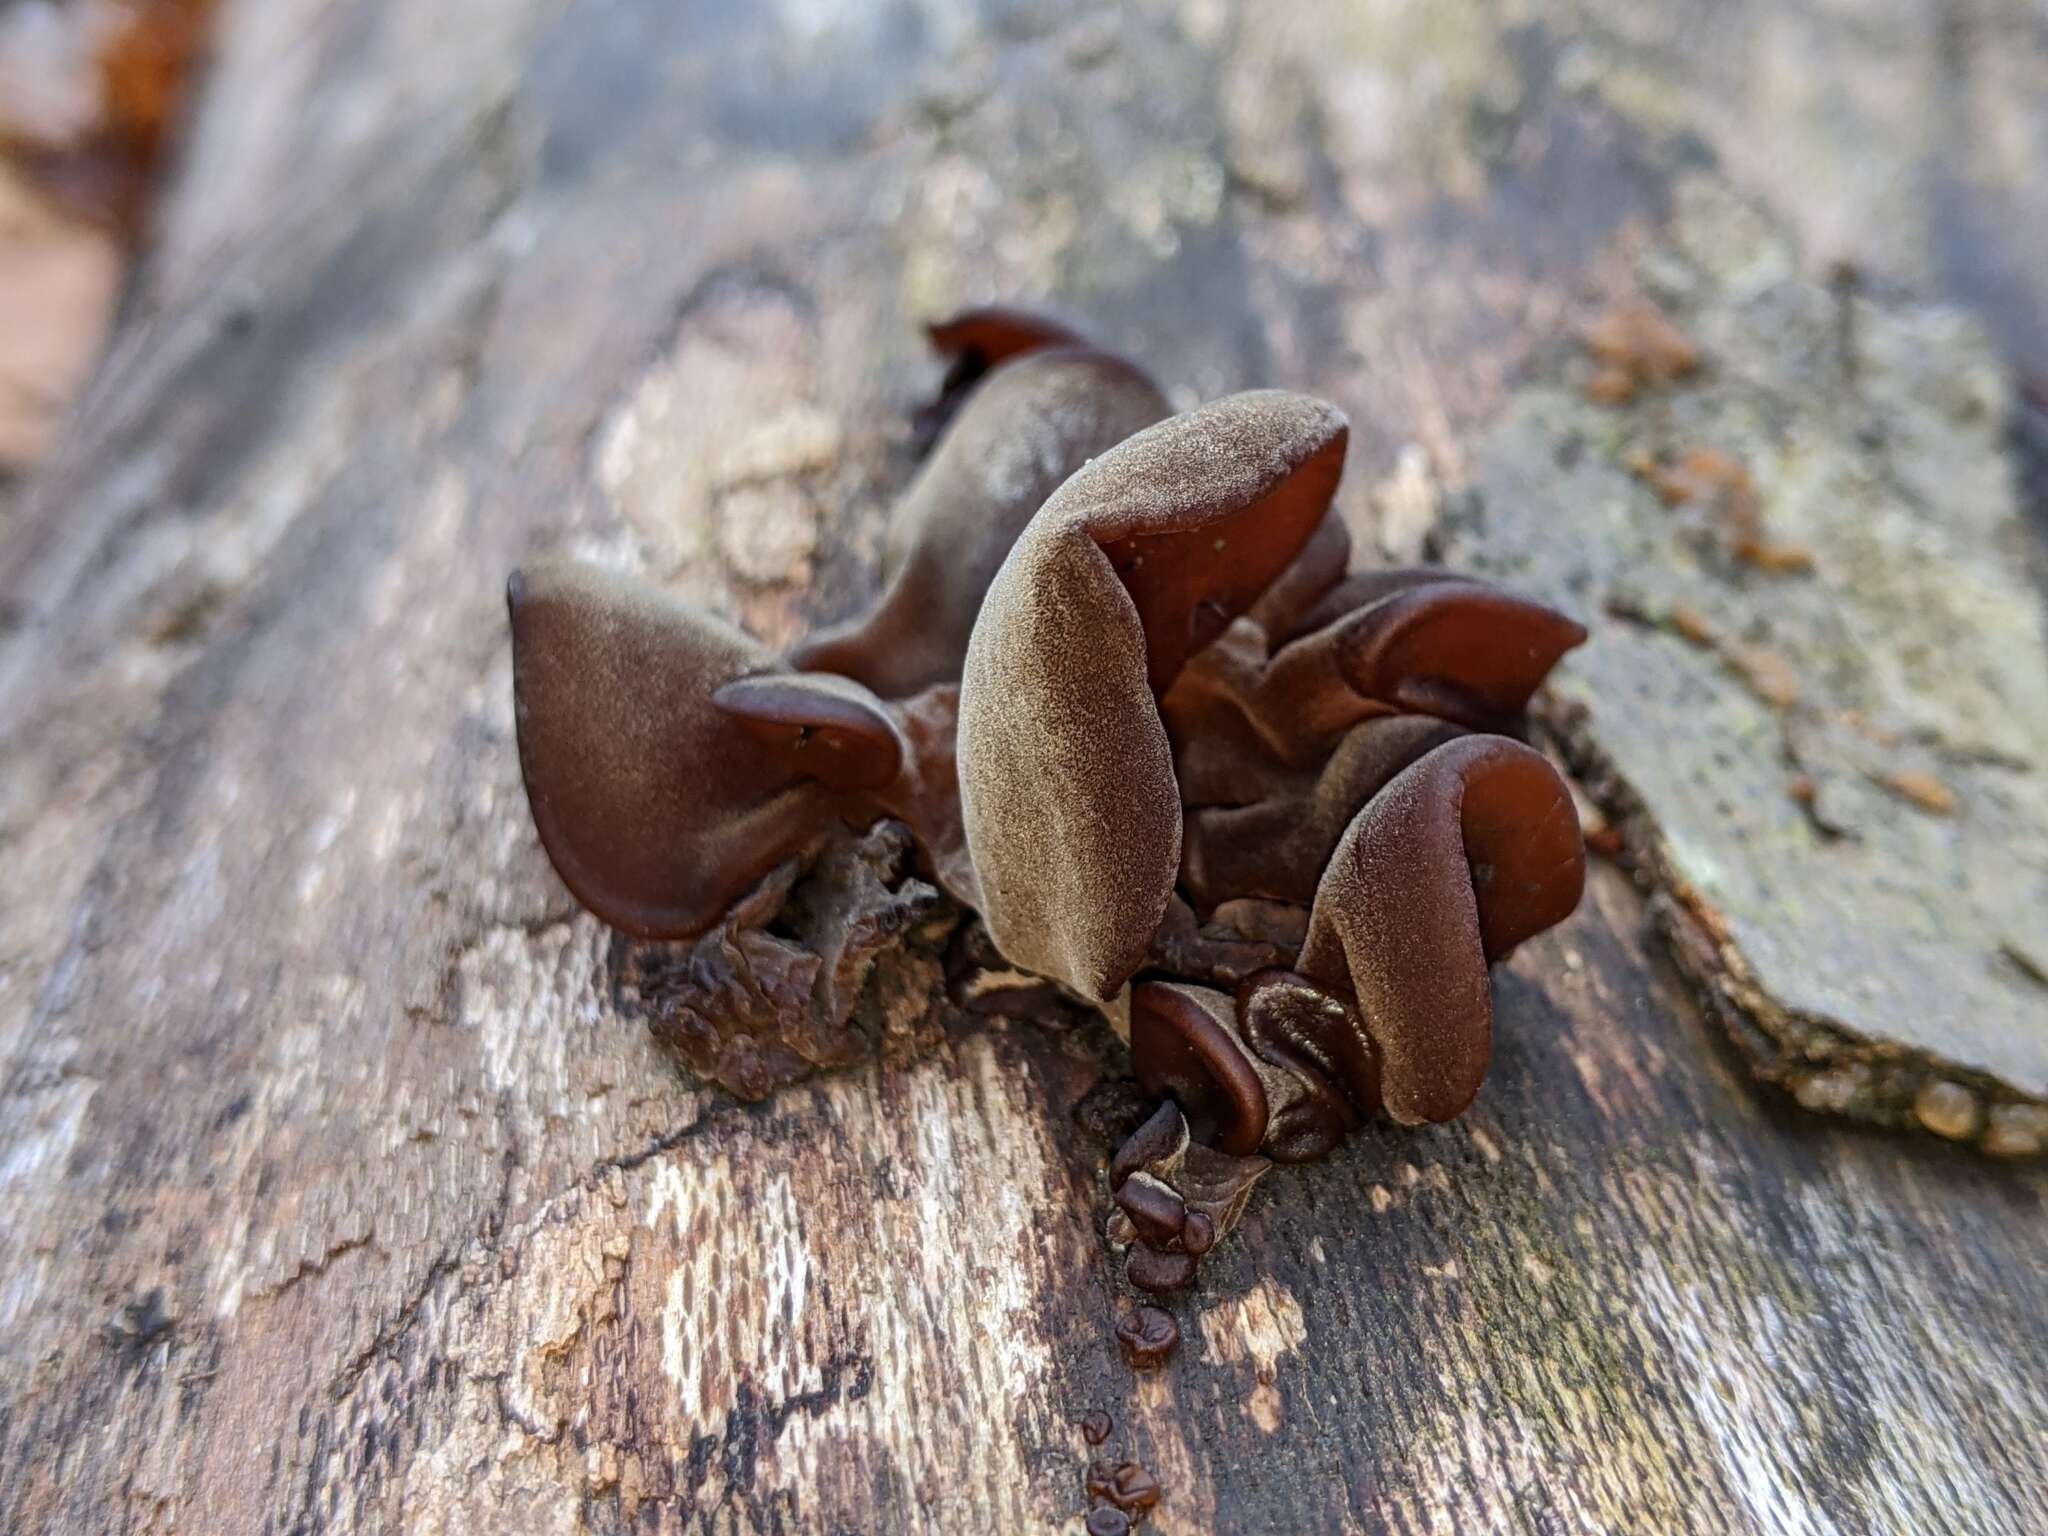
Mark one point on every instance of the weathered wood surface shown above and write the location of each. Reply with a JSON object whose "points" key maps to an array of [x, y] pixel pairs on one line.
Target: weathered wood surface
{"points": [[335, 1191]]}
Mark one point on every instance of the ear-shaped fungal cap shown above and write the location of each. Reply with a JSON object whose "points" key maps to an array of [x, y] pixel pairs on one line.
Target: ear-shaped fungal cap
{"points": [[1278, 846], [656, 808], [1314, 573], [1461, 650], [1018, 437], [1184, 1044], [994, 334], [1457, 649], [1066, 779], [1329, 1068], [821, 727], [670, 761], [1465, 854]]}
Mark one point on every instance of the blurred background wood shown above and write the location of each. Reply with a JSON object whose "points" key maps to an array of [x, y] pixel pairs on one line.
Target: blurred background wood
{"points": [[337, 1193]]}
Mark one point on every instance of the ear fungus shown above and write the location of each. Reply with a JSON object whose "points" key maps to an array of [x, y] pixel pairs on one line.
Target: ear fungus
{"points": [[1462, 856], [671, 761], [1315, 571], [1326, 1064], [1415, 643], [1022, 433], [979, 339], [1461, 650], [1184, 1045], [1277, 845], [1067, 784], [820, 727]]}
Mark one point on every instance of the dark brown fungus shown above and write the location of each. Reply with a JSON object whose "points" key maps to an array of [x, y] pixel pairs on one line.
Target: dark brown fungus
{"points": [[1184, 1044], [1160, 1140], [671, 760], [1147, 1336], [1019, 435], [1119, 698], [1212, 953], [1331, 1081], [1096, 1426], [1067, 784], [1155, 1209], [1159, 1271], [1132, 1488], [1466, 853], [1278, 844], [1461, 650], [1315, 572], [820, 727], [998, 332], [656, 807], [1412, 643], [1108, 1521]]}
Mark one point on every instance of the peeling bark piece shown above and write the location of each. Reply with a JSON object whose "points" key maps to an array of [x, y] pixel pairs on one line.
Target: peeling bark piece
{"points": [[1067, 783], [724, 1010], [1846, 926], [1465, 854], [1017, 438], [857, 903]]}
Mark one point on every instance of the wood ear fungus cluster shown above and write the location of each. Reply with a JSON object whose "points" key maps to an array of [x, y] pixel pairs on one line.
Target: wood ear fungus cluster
{"points": [[1271, 816]]}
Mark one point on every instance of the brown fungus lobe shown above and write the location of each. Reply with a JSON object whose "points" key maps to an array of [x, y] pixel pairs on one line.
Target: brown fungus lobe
{"points": [[1022, 432], [1184, 1045], [672, 761], [1278, 844], [1148, 1335], [657, 808], [1069, 799], [1396, 641], [994, 333], [1467, 852]]}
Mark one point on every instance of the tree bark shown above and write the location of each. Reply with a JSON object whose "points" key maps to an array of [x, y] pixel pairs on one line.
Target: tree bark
{"points": [[338, 1189]]}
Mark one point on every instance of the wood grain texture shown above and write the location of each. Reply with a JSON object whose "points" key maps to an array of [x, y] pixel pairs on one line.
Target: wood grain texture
{"points": [[337, 1190]]}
